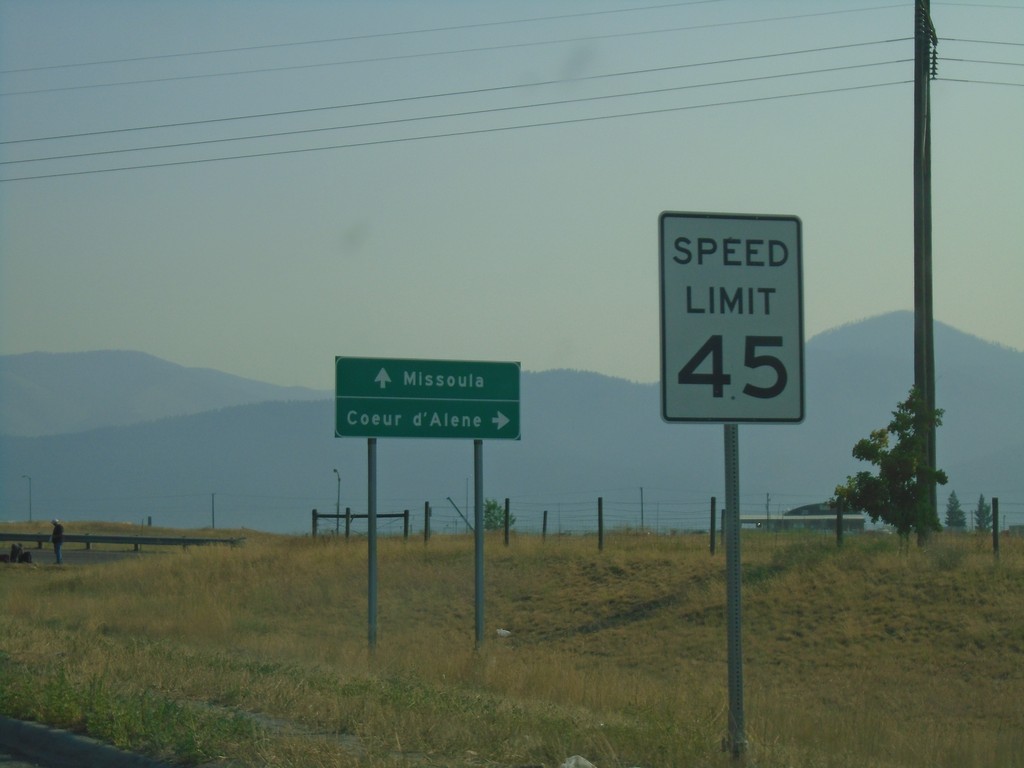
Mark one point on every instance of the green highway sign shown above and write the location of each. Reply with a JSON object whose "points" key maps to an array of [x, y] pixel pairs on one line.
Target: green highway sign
{"points": [[386, 397]]}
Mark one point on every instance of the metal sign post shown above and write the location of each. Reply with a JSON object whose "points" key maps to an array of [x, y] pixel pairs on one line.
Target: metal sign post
{"points": [[737, 735], [371, 537], [478, 537]]}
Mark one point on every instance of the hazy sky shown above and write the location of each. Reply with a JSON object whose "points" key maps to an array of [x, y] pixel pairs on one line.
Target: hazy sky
{"points": [[481, 179]]}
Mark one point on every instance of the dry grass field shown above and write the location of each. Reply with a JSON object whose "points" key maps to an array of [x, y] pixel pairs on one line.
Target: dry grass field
{"points": [[258, 655]]}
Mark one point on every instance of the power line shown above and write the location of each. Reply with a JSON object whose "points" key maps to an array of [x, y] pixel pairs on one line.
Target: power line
{"points": [[977, 82], [352, 38], [474, 91], [467, 113], [978, 42], [984, 5], [983, 61], [408, 56], [452, 134]]}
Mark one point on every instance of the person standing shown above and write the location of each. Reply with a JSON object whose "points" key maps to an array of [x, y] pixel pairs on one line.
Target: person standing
{"points": [[57, 537]]}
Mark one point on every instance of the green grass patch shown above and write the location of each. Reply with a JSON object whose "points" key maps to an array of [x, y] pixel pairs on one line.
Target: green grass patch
{"points": [[257, 655]]}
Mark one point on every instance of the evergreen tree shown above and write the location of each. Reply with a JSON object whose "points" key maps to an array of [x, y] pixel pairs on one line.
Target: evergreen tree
{"points": [[956, 519], [983, 515]]}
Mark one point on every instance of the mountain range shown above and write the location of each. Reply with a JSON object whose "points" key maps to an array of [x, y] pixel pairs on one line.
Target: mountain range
{"points": [[125, 436]]}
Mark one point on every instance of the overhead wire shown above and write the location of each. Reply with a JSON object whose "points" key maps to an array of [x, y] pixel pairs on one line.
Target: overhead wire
{"points": [[413, 119], [353, 38], [468, 92], [465, 113], [977, 81], [979, 42], [451, 134], [982, 62], [479, 49]]}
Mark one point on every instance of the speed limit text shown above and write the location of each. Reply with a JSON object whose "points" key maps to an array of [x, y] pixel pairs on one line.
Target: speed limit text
{"points": [[730, 252]]}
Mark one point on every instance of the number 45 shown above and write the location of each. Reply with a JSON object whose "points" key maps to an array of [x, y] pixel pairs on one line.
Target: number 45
{"points": [[718, 378]]}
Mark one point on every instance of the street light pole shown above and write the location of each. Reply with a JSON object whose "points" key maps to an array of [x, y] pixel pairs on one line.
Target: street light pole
{"points": [[337, 508], [27, 477]]}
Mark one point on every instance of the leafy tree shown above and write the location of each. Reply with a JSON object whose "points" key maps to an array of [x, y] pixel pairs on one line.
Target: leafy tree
{"points": [[956, 519], [900, 494], [983, 515], [494, 516]]}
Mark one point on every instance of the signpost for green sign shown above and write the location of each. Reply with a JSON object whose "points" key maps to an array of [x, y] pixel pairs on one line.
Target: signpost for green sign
{"points": [[732, 351], [388, 397]]}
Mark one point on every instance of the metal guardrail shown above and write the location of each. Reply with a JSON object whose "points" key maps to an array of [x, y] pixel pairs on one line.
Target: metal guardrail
{"points": [[99, 538]]}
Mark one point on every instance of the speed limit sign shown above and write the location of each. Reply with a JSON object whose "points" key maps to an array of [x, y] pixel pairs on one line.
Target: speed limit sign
{"points": [[732, 341]]}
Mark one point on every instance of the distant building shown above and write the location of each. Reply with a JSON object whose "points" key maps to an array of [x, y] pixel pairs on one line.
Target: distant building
{"points": [[810, 517]]}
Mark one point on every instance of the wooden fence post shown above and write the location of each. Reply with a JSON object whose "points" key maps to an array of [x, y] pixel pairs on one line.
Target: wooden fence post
{"points": [[995, 527], [506, 521], [713, 502]]}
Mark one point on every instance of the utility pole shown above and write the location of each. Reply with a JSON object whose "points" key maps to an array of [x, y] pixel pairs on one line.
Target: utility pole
{"points": [[925, 42]]}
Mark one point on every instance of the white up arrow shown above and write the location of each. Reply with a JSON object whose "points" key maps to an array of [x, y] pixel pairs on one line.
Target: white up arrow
{"points": [[383, 379]]}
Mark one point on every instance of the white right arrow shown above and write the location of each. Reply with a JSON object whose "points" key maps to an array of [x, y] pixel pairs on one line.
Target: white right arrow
{"points": [[501, 420], [383, 379]]}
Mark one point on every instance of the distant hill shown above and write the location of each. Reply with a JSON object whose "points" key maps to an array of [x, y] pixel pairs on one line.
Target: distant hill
{"points": [[52, 394], [266, 465]]}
